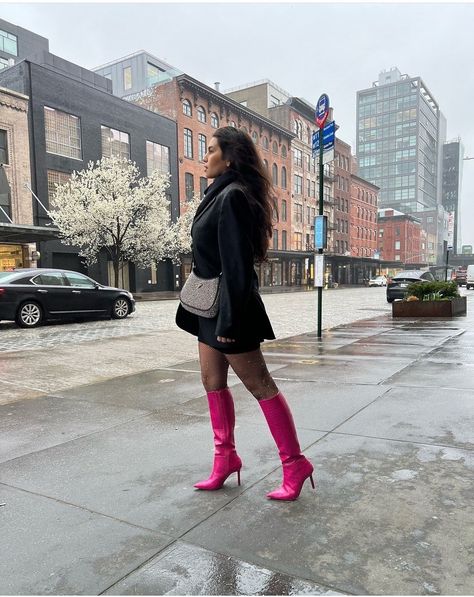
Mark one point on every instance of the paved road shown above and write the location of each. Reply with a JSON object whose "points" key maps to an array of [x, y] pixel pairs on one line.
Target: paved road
{"points": [[52, 358], [290, 313]]}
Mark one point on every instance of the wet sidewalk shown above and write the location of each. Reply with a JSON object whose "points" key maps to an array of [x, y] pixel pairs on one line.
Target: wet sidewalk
{"points": [[96, 482]]}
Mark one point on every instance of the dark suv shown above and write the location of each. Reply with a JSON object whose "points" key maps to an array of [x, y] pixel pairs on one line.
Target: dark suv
{"points": [[397, 287]]}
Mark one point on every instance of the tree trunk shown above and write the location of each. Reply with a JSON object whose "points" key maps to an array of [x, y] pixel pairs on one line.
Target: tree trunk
{"points": [[116, 266]]}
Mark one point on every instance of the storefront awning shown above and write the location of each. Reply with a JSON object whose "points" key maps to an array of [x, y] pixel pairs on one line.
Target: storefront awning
{"points": [[23, 233]]}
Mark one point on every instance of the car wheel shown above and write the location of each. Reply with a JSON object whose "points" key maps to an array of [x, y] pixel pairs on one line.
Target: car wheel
{"points": [[29, 315], [120, 308]]}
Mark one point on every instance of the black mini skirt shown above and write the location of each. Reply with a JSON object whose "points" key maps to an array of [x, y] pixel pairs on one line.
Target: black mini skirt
{"points": [[207, 335]]}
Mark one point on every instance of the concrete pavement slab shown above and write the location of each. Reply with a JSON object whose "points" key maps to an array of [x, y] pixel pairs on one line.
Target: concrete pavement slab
{"points": [[319, 406], [14, 391], [34, 425], [431, 416], [53, 548], [143, 472], [184, 569], [387, 518], [347, 371], [433, 374]]}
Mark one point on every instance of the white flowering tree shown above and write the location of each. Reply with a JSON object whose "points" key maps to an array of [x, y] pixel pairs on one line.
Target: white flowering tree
{"points": [[109, 206]]}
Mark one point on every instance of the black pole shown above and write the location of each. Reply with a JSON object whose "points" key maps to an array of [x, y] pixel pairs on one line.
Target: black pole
{"points": [[321, 212], [446, 269]]}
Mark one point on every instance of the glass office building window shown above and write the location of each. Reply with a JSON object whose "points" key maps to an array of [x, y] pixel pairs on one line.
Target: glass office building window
{"points": [[157, 158], [127, 77], [115, 143], [154, 74], [8, 43], [63, 133]]}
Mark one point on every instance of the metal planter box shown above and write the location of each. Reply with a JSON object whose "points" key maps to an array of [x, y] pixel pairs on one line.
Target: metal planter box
{"points": [[451, 308]]}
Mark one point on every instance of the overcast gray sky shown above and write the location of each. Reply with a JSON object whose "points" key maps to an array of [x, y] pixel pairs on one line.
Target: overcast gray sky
{"points": [[306, 48]]}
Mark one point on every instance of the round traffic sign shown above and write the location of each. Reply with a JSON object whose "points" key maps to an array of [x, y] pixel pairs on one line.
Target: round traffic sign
{"points": [[322, 110]]}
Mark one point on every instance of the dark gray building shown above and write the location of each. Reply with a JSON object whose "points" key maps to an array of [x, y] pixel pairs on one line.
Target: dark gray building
{"points": [[453, 153], [73, 119], [17, 43], [133, 74]]}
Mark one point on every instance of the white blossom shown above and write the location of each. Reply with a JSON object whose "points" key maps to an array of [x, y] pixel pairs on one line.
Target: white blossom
{"points": [[109, 206]]}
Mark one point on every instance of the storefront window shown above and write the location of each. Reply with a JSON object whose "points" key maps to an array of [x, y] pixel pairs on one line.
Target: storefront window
{"points": [[11, 257]]}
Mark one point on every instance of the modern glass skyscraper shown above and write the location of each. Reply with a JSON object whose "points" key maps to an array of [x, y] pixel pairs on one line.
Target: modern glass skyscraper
{"points": [[399, 134]]}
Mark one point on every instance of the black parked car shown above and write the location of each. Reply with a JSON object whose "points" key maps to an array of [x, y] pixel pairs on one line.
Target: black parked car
{"points": [[397, 287], [30, 296]]}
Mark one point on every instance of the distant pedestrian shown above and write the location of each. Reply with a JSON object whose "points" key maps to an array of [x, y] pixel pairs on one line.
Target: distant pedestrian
{"points": [[230, 233]]}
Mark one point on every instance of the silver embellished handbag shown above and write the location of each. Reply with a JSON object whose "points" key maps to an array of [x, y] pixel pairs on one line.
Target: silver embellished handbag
{"points": [[201, 295]]}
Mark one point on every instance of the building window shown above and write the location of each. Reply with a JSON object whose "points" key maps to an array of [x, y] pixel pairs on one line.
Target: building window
{"points": [[283, 177], [54, 178], [157, 158], [298, 157], [187, 110], [8, 43], [202, 146], [265, 142], [265, 163], [3, 63], [275, 174], [297, 241], [214, 121], [63, 133], [283, 151], [397, 245], [189, 185], [283, 210], [283, 240], [188, 143], [3, 147], [202, 185], [154, 74], [275, 239], [298, 185], [298, 213], [275, 147], [298, 128], [115, 143], [127, 77], [201, 114]]}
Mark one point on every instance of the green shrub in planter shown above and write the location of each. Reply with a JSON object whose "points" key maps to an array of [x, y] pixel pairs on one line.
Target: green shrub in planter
{"points": [[433, 291]]}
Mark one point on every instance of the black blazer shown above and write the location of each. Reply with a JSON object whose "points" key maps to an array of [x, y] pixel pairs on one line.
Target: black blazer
{"points": [[222, 233]]}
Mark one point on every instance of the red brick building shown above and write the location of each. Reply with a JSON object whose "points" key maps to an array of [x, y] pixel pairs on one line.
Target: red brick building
{"points": [[401, 238], [363, 217], [198, 111], [342, 197]]}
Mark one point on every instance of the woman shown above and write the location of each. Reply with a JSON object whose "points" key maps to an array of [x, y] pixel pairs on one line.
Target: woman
{"points": [[231, 231]]}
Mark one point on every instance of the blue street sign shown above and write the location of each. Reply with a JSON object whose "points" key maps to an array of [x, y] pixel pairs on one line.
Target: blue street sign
{"points": [[320, 232], [322, 110], [329, 133]]}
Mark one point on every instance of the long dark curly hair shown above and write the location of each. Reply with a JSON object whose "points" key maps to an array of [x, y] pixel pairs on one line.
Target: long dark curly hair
{"points": [[238, 148]]}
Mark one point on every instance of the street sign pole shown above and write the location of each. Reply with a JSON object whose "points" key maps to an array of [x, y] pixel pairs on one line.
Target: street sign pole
{"points": [[321, 212], [322, 112]]}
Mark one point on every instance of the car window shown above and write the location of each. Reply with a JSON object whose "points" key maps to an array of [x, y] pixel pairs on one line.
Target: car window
{"points": [[427, 276], [79, 280], [6, 276], [49, 279]]}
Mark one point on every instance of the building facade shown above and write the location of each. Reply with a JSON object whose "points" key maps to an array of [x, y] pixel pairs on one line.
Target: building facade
{"points": [[363, 218], [401, 238], [198, 111], [17, 43], [453, 154], [74, 119]]}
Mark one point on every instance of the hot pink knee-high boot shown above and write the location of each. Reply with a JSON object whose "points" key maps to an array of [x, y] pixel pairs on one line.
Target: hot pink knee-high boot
{"points": [[226, 460], [296, 467]]}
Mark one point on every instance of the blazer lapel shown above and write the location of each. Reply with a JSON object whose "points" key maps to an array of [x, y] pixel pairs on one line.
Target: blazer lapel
{"points": [[211, 193]]}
